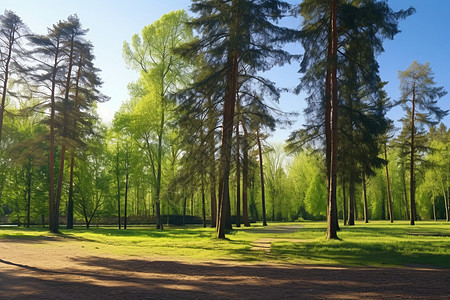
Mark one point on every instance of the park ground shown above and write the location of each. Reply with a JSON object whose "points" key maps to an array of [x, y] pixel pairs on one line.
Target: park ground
{"points": [[284, 261]]}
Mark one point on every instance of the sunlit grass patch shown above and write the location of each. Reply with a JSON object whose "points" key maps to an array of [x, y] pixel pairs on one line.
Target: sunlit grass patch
{"points": [[375, 244]]}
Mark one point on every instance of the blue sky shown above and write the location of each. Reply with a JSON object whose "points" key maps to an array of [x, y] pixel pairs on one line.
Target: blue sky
{"points": [[424, 37]]}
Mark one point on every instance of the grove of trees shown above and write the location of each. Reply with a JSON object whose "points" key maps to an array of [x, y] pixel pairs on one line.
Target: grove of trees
{"points": [[190, 145]]}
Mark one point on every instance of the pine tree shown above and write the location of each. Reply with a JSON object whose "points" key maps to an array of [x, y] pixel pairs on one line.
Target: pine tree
{"points": [[349, 52], [12, 32], [236, 35], [419, 96]]}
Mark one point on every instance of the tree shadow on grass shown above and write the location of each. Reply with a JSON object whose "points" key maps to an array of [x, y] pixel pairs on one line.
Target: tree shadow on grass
{"points": [[366, 254]]}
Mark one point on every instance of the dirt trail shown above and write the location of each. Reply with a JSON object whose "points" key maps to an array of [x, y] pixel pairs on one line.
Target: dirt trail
{"points": [[54, 268], [265, 243]]}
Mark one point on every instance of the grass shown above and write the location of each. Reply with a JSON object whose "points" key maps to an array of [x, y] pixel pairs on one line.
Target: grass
{"points": [[378, 243]]}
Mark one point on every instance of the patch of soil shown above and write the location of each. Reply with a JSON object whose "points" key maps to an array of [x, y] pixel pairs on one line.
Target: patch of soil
{"points": [[52, 269]]}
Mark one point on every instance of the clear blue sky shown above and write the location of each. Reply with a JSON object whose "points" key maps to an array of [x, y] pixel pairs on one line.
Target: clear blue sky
{"points": [[425, 37]]}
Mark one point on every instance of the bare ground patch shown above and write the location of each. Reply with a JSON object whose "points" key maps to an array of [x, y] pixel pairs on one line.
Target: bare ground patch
{"points": [[53, 269]]}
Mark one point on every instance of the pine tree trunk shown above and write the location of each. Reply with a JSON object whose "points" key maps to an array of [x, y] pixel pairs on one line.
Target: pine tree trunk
{"points": [[332, 204], [238, 175], [212, 166], [118, 188], [59, 190], [203, 201], [127, 174], [261, 172], [344, 203], [405, 194], [52, 208], [227, 132], [412, 186], [29, 179], [366, 212], [70, 202], [245, 178], [351, 201], [391, 206]]}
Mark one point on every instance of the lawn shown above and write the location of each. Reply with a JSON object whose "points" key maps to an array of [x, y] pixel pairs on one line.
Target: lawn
{"points": [[379, 243]]}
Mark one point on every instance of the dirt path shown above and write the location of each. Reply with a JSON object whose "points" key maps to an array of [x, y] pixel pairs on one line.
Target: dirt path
{"points": [[48, 268], [265, 243]]}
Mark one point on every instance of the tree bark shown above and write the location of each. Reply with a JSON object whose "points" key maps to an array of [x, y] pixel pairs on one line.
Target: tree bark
{"points": [[203, 201], [332, 206], [212, 165], [344, 205], [29, 180], [118, 187], [70, 202], [227, 132], [351, 201], [261, 172], [366, 212], [405, 194], [412, 186], [245, 178], [238, 174], [127, 174], [52, 208], [159, 224], [391, 206]]}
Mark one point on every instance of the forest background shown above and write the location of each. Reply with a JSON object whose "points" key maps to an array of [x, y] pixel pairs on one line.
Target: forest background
{"points": [[296, 186]]}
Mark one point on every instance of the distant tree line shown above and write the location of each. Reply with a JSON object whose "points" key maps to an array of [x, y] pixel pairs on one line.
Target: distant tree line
{"points": [[191, 140]]}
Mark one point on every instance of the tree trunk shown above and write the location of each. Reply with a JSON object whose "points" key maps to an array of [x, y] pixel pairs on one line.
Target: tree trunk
{"points": [[261, 172], [59, 189], [72, 159], [29, 178], [412, 186], [70, 202], [391, 206], [192, 204], [344, 201], [405, 194], [203, 201], [434, 207], [245, 178], [366, 212], [118, 187], [446, 205], [332, 204], [238, 174], [212, 165], [227, 130], [52, 208], [351, 201], [159, 224], [127, 174], [184, 210]]}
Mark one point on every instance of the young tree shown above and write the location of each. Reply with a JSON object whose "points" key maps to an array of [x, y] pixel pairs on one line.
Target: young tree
{"points": [[152, 55], [419, 95]]}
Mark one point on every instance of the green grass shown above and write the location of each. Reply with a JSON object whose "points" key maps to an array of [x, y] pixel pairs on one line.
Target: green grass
{"points": [[375, 244]]}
